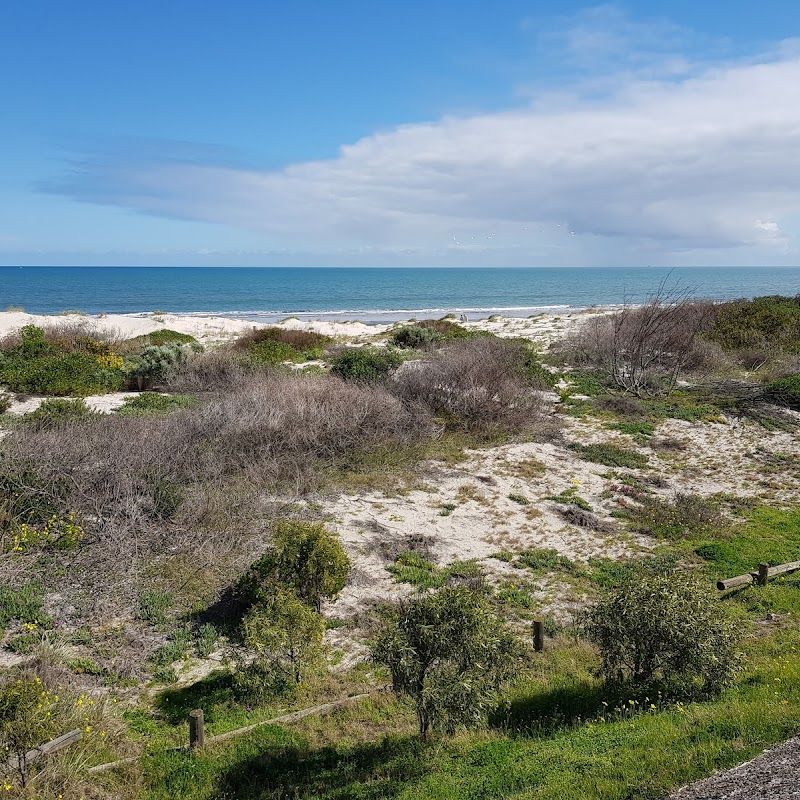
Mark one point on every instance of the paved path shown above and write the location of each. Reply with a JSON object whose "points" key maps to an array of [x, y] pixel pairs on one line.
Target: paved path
{"points": [[775, 774]]}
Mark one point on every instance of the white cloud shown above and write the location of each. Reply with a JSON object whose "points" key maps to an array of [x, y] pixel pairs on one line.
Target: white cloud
{"points": [[660, 169]]}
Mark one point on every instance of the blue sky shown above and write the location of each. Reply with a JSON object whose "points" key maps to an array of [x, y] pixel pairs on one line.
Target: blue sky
{"points": [[372, 133]]}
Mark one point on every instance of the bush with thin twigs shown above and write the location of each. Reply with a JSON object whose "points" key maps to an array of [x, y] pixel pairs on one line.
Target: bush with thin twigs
{"points": [[125, 476], [642, 349], [476, 385]]}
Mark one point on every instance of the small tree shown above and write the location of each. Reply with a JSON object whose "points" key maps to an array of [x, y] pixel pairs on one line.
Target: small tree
{"points": [[450, 655], [305, 556], [286, 635], [665, 628], [26, 719]]}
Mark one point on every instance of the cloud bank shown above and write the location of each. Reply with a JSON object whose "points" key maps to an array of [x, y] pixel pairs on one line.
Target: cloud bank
{"points": [[699, 168]]}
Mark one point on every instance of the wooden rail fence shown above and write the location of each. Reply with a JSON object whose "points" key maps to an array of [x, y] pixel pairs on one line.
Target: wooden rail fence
{"points": [[759, 576]]}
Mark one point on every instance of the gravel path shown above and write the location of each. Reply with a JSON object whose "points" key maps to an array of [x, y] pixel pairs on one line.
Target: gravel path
{"points": [[775, 774]]}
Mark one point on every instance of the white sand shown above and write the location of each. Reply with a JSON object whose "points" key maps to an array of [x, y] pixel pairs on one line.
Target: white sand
{"points": [[215, 330], [208, 330]]}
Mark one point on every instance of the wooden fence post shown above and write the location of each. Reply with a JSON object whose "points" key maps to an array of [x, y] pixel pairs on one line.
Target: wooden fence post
{"points": [[763, 574], [538, 635], [197, 730]]}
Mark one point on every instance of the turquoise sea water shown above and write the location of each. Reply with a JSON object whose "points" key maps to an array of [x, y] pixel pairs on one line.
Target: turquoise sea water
{"points": [[365, 293]]}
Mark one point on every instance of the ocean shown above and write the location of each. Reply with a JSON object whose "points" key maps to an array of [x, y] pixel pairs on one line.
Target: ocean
{"points": [[368, 294]]}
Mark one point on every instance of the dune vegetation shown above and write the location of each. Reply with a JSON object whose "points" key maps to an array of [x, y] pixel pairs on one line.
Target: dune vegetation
{"points": [[290, 519]]}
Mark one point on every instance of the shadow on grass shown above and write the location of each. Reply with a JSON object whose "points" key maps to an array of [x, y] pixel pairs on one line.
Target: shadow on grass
{"points": [[544, 713], [276, 763], [376, 770], [212, 693]]}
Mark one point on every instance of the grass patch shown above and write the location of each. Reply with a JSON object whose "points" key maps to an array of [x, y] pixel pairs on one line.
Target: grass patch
{"points": [[571, 497], [545, 560], [414, 568], [610, 455], [556, 740], [153, 403]]}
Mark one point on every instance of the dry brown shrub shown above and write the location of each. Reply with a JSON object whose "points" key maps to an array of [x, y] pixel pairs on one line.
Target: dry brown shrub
{"points": [[622, 405], [642, 348], [70, 335], [217, 370], [300, 340], [584, 519], [477, 383]]}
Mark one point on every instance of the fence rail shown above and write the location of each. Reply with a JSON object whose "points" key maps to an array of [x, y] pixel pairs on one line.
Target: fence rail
{"points": [[759, 576]]}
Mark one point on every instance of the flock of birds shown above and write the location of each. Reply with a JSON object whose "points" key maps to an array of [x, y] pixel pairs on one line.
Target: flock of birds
{"points": [[490, 237]]}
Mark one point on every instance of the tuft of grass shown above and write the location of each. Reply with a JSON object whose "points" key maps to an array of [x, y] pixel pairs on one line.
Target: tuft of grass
{"points": [[154, 604], [571, 497], [545, 559], [519, 498], [610, 455]]}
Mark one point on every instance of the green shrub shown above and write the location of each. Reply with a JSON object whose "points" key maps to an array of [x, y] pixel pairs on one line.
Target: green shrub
{"points": [[161, 337], [272, 352], [519, 498], [687, 516], [414, 336], [155, 365], [668, 630], [78, 366], [450, 655], [771, 322], [205, 640], [153, 403], [286, 635], [22, 604], [275, 345], [610, 455], [570, 497], [84, 666], [57, 412], [365, 364], [59, 374], [175, 649], [26, 719], [304, 556]]}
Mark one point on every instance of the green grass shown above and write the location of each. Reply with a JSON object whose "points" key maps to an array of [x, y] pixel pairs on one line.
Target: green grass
{"points": [[545, 559], [555, 740], [610, 455], [415, 569], [153, 403], [22, 604]]}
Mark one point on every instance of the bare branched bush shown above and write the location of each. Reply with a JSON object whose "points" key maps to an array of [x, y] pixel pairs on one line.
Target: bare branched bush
{"points": [[217, 370], [478, 384], [70, 334], [643, 348]]}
